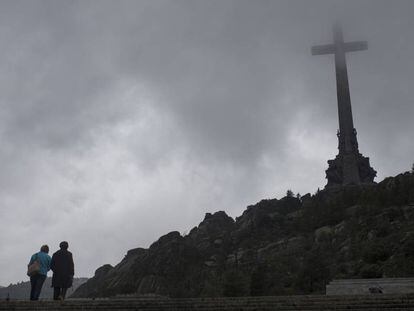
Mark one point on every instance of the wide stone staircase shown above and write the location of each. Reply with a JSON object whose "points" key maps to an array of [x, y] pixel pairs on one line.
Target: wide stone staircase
{"points": [[346, 302]]}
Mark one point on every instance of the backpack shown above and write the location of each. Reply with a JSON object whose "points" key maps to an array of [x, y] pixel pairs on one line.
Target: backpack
{"points": [[33, 268]]}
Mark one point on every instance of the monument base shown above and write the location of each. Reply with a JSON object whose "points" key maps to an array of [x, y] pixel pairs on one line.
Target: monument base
{"points": [[349, 169]]}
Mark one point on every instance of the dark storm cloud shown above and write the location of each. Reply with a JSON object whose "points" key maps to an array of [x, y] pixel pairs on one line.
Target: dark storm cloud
{"points": [[143, 115]]}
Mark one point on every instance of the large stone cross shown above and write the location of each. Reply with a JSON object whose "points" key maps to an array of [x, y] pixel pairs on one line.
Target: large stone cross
{"points": [[349, 167]]}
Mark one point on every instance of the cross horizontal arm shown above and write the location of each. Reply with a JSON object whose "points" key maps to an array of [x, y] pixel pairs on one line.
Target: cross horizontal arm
{"points": [[323, 49], [355, 46]]}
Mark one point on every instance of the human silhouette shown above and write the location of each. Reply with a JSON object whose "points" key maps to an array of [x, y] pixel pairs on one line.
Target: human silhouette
{"points": [[63, 271]]}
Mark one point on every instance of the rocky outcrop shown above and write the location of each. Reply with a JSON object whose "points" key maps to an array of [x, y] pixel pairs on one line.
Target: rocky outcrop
{"points": [[276, 247]]}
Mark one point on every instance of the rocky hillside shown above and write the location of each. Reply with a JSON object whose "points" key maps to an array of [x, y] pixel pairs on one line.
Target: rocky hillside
{"points": [[22, 290], [294, 245]]}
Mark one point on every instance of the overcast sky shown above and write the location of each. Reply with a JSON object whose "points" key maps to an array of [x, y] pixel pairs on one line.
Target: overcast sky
{"points": [[123, 120]]}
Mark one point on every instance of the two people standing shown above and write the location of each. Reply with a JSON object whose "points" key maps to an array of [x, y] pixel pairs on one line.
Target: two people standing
{"points": [[62, 266]]}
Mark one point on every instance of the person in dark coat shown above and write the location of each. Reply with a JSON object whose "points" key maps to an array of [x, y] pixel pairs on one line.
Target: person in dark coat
{"points": [[63, 271]]}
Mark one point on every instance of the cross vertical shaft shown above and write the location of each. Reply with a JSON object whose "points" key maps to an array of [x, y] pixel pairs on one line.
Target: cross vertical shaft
{"points": [[346, 123]]}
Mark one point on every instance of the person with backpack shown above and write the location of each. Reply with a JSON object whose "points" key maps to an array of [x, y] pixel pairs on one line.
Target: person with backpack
{"points": [[63, 271], [37, 270]]}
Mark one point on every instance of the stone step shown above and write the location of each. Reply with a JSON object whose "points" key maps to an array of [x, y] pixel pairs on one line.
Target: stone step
{"points": [[228, 303], [356, 308], [287, 303], [365, 286], [333, 299], [267, 308]]}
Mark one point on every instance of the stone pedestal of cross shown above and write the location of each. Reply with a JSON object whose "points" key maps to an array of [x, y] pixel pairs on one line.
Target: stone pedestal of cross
{"points": [[349, 167]]}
